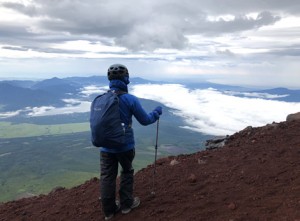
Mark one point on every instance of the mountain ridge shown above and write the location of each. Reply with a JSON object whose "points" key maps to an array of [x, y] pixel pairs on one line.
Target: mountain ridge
{"points": [[52, 92], [17, 97], [254, 176]]}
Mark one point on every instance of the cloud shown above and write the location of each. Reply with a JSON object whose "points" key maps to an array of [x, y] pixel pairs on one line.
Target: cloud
{"points": [[146, 25], [93, 89], [9, 114], [230, 41], [11, 32], [5, 154], [238, 23], [15, 48], [73, 106], [212, 112], [256, 94], [30, 10], [150, 36]]}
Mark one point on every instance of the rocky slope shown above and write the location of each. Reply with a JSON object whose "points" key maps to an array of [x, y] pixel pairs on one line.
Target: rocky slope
{"points": [[255, 176]]}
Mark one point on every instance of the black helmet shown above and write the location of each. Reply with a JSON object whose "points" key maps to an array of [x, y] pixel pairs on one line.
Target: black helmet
{"points": [[117, 71]]}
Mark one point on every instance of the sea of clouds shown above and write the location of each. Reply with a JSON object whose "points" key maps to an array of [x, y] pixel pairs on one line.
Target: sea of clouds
{"points": [[208, 111], [215, 112]]}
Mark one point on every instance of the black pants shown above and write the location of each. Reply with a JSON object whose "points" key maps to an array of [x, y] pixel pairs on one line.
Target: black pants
{"points": [[109, 172]]}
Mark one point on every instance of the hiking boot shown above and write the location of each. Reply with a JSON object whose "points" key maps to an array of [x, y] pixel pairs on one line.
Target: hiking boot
{"points": [[136, 203], [110, 216]]}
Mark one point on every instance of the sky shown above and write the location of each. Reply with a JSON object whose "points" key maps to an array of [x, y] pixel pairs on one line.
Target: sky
{"points": [[249, 43]]}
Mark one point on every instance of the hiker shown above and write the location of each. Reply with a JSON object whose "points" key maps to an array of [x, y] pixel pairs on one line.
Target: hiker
{"points": [[129, 106]]}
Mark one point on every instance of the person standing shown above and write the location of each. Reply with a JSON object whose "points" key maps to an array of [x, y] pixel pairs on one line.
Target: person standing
{"points": [[110, 158]]}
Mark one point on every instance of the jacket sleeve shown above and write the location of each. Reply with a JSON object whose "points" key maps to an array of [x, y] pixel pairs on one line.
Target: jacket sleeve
{"points": [[141, 115]]}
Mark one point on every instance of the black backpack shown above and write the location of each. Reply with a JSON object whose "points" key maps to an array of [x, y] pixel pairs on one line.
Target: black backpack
{"points": [[105, 123]]}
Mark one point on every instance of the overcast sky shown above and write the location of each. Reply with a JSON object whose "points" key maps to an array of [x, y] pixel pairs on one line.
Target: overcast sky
{"points": [[250, 43]]}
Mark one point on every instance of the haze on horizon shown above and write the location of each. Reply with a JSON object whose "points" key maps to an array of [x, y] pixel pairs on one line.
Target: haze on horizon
{"points": [[247, 43]]}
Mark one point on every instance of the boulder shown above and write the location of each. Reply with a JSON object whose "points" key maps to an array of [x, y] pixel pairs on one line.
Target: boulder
{"points": [[174, 162], [292, 117], [216, 143]]}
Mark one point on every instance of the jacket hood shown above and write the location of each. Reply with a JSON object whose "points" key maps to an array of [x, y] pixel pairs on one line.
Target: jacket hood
{"points": [[118, 85]]}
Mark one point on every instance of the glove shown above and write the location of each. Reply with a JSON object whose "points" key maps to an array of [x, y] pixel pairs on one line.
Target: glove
{"points": [[157, 111]]}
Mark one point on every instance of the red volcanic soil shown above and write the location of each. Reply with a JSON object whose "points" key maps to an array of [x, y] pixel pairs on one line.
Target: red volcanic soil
{"points": [[255, 176]]}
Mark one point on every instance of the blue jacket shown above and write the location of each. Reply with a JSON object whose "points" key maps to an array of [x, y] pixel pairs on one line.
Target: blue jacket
{"points": [[129, 106]]}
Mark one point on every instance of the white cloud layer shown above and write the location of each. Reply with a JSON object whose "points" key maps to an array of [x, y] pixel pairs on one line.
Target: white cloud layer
{"points": [[213, 112]]}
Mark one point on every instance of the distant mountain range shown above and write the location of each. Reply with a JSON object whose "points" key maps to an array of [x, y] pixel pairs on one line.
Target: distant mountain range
{"points": [[15, 97], [292, 95], [17, 94]]}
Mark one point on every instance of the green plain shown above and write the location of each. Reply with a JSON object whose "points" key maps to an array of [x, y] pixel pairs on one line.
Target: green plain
{"points": [[9, 130], [35, 158]]}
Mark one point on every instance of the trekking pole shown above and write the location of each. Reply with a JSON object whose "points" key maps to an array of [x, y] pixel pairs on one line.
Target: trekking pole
{"points": [[154, 169]]}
